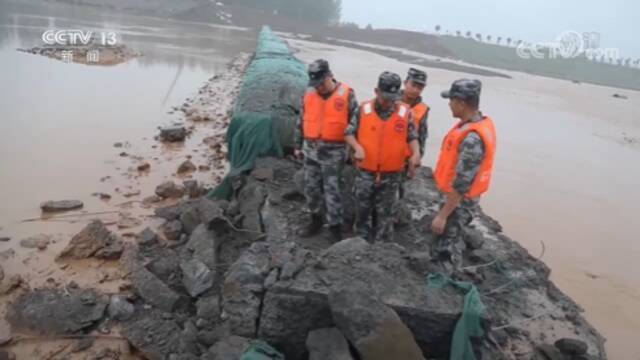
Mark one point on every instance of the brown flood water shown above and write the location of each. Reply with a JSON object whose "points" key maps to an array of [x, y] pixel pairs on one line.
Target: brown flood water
{"points": [[564, 176]]}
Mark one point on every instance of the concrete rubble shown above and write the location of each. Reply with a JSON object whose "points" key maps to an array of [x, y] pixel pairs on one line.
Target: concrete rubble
{"points": [[225, 272]]}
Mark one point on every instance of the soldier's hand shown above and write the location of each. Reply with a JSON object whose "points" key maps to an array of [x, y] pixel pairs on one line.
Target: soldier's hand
{"points": [[359, 153], [411, 171], [416, 160], [438, 224], [298, 154]]}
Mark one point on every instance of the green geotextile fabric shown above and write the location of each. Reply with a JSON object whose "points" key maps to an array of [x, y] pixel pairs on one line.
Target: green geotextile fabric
{"points": [[469, 323], [260, 350], [266, 108]]}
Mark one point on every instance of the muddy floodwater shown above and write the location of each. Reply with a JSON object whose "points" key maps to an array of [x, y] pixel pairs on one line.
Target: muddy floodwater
{"points": [[566, 174], [59, 121]]}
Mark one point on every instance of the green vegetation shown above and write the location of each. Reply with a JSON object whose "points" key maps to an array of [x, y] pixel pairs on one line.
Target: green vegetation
{"points": [[575, 69]]}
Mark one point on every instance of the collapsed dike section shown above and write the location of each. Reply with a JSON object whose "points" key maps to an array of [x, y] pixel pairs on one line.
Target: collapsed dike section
{"points": [[239, 273]]}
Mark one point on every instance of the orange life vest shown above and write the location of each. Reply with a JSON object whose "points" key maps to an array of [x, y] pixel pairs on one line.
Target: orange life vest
{"points": [[418, 112], [446, 168], [326, 119], [384, 141]]}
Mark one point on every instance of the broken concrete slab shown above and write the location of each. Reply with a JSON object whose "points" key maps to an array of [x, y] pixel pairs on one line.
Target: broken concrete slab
{"points": [[62, 205], [474, 239], [154, 336], [196, 277], [571, 347], [169, 189], [242, 290], [172, 230], [112, 250], [328, 343], [120, 308], [547, 352], [168, 213], [191, 188], [153, 290], [230, 348], [190, 217], [211, 212], [208, 308], [173, 133], [52, 311], [375, 330], [250, 200], [147, 237], [88, 241], [202, 245], [293, 308], [186, 167]]}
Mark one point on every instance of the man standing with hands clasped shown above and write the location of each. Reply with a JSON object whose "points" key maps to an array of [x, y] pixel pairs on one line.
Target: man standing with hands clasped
{"points": [[327, 108], [463, 171], [381, 135]]}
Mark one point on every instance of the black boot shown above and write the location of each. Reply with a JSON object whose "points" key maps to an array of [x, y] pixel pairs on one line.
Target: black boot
{"points": [[336, 232], [313, 227]]}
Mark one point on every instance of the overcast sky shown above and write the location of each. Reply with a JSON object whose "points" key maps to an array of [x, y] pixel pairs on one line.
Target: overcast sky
{"points": [[534, 21]]}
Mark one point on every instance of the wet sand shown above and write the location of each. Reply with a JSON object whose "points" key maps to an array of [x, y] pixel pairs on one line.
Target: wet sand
{"points": [[564, 176]]}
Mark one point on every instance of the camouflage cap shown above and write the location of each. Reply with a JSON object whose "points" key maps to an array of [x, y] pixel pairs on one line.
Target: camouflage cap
{"points": [[417, 76], [317, 71], [463, 89], [389, 85]]}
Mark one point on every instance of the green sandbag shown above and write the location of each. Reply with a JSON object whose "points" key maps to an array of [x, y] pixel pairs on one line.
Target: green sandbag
{"points": [[469, 323], [273, 85], [260, 350], [266, 108]]}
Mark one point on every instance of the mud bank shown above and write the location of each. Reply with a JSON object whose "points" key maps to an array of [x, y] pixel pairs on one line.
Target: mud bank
{"points": [[88, 54], [237, 271]]}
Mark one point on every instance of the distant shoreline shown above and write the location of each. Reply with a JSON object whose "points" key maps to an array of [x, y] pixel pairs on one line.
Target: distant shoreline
{"points": [[472, 52]]}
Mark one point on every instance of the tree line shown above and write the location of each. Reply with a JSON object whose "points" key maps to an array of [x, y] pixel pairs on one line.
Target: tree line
{"points": [[326, 12]]}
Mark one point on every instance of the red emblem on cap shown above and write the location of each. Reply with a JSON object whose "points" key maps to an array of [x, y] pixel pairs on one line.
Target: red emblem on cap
{"points": [[339, 104], [399, 126]]}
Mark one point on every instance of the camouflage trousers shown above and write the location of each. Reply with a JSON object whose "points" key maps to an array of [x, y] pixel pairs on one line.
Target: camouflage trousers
{"points": [[377, 198], [449, 246], [322, 189], [401, 210]]}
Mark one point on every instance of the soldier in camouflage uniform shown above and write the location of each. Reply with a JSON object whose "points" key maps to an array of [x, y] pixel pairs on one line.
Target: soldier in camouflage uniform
{"points": [[321, 143], [463, 171], [414, 85], [412, 95], [380, 134]]}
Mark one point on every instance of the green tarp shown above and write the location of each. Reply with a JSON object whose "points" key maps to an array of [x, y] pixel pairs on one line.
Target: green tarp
{"points": [[469, 323], [260, 350]]}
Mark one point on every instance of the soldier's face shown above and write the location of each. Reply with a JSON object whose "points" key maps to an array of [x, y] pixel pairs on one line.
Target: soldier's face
{"points": [[457, 107], [384, 103], [412, 89], [326, 85]]}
